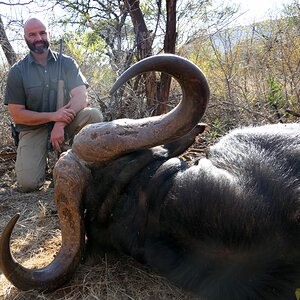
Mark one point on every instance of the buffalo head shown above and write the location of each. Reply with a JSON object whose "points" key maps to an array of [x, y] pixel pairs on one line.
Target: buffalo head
{"points": [[226, 227]]}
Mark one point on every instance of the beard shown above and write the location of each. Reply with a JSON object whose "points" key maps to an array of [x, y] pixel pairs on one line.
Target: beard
{"points": [[40, 49]]}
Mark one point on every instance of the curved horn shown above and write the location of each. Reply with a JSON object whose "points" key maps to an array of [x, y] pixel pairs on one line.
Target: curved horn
{"points": [[69, 186], [106, 141]]}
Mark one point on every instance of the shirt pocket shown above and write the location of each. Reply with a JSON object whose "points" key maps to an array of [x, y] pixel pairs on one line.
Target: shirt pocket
{"points": [[35, 97]]}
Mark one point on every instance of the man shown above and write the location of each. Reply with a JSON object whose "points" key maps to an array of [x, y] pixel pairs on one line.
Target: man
{"points": [[31, 98]]}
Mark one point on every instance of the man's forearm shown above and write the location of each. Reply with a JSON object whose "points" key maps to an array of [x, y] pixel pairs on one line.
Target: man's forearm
{"points": [[31, 118], [23, 116]]}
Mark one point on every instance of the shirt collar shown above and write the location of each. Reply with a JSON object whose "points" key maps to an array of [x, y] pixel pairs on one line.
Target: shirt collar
{"points": [[51, 56]]}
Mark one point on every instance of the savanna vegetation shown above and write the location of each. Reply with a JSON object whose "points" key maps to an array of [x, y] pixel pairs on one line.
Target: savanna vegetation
{"points": [[253, 71]]}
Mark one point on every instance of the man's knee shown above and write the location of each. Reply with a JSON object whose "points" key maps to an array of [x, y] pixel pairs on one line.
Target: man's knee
{"points": [[95, 115], [27, 185], [86, 116]]}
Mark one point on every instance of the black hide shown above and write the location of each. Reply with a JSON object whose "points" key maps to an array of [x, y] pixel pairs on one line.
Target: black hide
{"points": [[226, 227]]}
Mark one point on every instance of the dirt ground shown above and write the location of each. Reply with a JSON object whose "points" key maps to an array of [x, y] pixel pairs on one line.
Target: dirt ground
{"points": [[36, 240]]}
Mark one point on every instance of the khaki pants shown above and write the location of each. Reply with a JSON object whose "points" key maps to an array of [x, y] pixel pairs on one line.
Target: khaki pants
{"points": [[32, 150]]}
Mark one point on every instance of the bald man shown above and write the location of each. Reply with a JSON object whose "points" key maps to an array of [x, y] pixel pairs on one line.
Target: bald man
{"points": [[31, 99]]}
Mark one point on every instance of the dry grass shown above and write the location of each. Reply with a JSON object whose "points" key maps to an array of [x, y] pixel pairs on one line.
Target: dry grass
{"points": [[36, 240]]}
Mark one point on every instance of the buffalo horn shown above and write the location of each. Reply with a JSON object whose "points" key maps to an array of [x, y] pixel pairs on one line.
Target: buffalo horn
{"points": [[69, 187], [105, 141]]}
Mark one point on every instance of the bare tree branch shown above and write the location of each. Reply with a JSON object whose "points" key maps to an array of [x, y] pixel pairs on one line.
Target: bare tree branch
{"points": [[16, 4]]}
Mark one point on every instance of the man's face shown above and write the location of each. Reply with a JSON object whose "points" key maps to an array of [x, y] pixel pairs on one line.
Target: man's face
{"points": [[37, 37]]}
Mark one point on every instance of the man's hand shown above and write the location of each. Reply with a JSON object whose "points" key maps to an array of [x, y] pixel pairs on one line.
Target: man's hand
{"points": [[65, 114], [58, 135], [63, 117]]}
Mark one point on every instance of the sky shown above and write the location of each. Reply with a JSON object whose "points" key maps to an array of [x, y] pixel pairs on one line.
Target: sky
{"points": [[257, 10], [251, 10]]}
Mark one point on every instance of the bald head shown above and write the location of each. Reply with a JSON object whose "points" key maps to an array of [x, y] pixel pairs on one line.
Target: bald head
{"points": [[35, 21]]}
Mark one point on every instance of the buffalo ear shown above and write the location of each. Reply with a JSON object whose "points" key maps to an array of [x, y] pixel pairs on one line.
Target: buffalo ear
{"points": [[179, 146]]}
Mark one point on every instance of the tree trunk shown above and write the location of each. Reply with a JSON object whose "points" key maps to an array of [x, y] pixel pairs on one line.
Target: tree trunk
{"points": [[6, 46], [169, 47], [144, 46], [144, 49]]}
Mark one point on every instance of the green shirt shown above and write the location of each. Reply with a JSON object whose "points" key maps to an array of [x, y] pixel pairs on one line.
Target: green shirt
{"points": [[35, 86]]}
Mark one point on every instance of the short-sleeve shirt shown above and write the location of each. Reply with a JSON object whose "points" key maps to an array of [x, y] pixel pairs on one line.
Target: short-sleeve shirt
{"points": [[35, 86]]}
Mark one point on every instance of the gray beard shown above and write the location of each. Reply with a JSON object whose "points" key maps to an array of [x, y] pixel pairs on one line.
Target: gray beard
{"points": [[40, 49]]}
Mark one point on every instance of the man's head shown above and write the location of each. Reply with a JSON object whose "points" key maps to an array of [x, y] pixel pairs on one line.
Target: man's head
{"points": [[36, 35]]}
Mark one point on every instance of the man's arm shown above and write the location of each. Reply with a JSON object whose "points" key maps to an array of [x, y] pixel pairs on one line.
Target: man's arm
{"points": [[79, 98], [78, 101], [21, 115]]}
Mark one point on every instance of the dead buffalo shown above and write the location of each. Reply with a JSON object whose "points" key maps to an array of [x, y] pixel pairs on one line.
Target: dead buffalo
{"points": [[226, 227]]}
